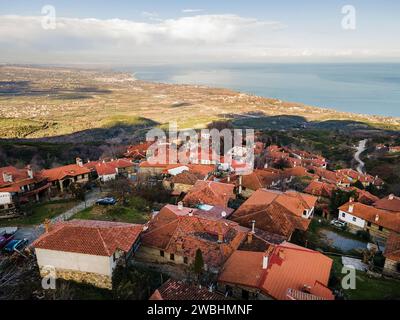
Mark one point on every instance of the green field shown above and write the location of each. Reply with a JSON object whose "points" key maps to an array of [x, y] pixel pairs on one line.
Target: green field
{"points": [[38, 212]]}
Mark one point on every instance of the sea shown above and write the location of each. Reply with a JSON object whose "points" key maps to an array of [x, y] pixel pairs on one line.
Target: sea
{"points": [[366, 88]]}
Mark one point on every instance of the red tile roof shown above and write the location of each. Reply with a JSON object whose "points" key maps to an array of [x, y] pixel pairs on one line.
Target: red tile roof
{"points": [[20, 177], [178, 290], [209, 192], [59, 173], [320, 189], [392, 249], [100, 238], [384, 218], [276, 212], [260, 179], [109, 167], [183, 234], [289, 267], [391, 203]]}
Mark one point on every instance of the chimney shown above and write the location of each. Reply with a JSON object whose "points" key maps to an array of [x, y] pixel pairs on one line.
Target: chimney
{"points": [[47, 225], [377, 218], [220, 235], [229, 178], [351, 208], [253, 226], [79, 162], [249, 237], [180, 205], [351, 200], [265, 262], [240, 185], [223, 214], [391, 197], [29, 171], [7, 177], [191, 213]]}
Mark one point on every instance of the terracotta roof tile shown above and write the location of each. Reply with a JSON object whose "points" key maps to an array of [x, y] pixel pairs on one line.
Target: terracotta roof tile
{"points": [[289, 267], [101, 238], [209, 192], [178, 290], [59, 173], [392, 249]]}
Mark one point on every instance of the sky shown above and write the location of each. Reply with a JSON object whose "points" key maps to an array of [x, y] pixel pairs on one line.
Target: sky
{"points": [[124, 32]]}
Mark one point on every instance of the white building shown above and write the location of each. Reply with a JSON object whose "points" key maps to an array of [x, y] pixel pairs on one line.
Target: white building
{"points": [[86, 251]]}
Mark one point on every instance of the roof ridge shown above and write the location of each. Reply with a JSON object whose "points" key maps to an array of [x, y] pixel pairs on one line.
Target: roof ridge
{"points": [[104, 243]]}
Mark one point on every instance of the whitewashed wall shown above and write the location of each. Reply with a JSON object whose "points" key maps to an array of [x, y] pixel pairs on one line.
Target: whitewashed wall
{"points": [[75, 261], [349, 219]]}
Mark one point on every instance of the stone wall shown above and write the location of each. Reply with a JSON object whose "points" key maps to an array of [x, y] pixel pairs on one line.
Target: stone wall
{"points": [[390, 268], [98, 280]]}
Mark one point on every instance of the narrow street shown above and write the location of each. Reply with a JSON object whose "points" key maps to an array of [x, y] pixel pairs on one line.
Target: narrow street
{"points": [[362, 146], [33, 232]]}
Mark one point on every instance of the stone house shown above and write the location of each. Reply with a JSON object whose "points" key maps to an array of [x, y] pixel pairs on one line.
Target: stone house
{"points": [[282, 272], [392, 255], [176, 232], [86, 251]]}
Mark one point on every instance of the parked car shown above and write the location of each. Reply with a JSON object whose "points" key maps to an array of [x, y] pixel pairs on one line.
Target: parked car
{"points": [[106, 201], [338, 223], [16, 245], [4, 239]]}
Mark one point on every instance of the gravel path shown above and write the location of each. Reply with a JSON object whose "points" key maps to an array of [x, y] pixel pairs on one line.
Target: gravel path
{"points": [[362, 146]]}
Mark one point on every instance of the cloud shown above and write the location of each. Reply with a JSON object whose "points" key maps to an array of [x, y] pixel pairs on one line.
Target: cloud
{"points": [[201, 37], [192, 10]]}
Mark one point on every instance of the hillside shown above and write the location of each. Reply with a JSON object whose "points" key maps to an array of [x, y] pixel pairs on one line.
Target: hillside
{"points": [[60, 104]]}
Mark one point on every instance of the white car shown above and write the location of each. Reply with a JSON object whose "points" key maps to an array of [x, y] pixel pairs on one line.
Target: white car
{"points": [[338, 223]]}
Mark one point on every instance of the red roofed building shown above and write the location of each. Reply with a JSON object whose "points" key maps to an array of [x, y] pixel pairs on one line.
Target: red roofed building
{"points": [[62, 177], [379, 223], [138, 151], [392, 255], [85, 250], [175, 233], [109, 170], [320, 189], [277, 212], [283, 272], [178, 290], [19, 186], [390, 203], [265, 178], [209, 192]]}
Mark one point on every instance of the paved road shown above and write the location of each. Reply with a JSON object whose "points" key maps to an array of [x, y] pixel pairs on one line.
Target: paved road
{"points": [[33, 232], [362, 146]]}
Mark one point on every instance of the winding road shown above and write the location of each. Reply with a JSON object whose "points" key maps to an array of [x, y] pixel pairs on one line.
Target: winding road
{"points": [[362, 146]]}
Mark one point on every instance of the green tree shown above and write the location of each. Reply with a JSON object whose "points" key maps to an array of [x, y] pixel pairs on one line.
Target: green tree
{"points": [[358, 184], [198, 263], [340, 197], [78, 191]]}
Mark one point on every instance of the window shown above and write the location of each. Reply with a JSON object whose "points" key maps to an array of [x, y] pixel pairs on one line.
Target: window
{"points": [[380, 228], [245, 295], [305, 212], [172, 257], [343, 215], [369, 224], [161, 253], [354, 219], [185, 260]]}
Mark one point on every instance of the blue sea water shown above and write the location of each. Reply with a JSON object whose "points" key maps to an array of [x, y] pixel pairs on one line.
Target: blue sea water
{"points": [[368, 88]]}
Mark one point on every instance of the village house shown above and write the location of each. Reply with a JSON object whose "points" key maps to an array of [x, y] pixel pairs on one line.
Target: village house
{"points": [[210, 193], [336, 178], [179, 290], [365, 179], [138, 152], [282, 272], [19, 186], [392, 255], [379, 223], [62, 177], [277, 212], [86, 251], [389, 203], [110, 170], [176, 232]]}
